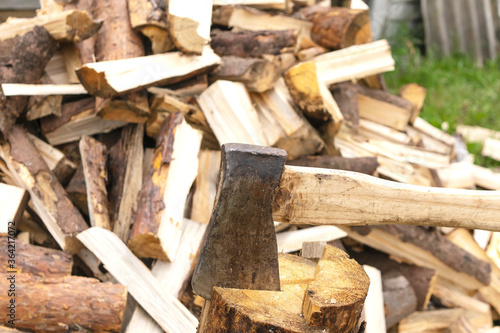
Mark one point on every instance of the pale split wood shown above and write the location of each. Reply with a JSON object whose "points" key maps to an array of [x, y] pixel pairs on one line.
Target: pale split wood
{"points": [[264, 4], [109, 78], [424, 126], [56, 69], [378, 131], [476, 134], [455, 298], [93, 154], [312, 249], [373, 310], [23, 89], [457, 175], [69, 26], [415, 94], [188, 28], [291, 241], [428, 142], [165, 309], [486, 178], [172, 276], [491, 148], [430, 321], [13, 201], [383, 112], [206, 185], [355, 62]]}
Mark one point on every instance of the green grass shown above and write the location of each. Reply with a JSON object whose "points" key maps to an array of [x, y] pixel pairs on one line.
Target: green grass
{"points": [[458, 91]]}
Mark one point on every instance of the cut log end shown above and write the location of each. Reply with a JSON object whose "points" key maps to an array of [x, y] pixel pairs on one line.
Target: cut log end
{"points": [[147, 245], [95, 82]]}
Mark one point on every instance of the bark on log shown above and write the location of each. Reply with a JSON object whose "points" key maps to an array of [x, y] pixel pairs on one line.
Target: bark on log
{"points": [[77, 191], [51, 202], [366, 165], [399, 298], [22, 61], [252, 43], [338, 28], [116, 40], [95, 172], [347, 99], [158, 222], [38, 260], [125, 168], [65, 304], [258, 75]]}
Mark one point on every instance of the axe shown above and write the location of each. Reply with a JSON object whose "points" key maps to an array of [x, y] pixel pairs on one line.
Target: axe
{"points": [[239, 249]]}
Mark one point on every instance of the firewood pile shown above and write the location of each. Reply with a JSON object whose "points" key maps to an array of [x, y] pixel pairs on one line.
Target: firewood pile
{"points": [[112, 117]]}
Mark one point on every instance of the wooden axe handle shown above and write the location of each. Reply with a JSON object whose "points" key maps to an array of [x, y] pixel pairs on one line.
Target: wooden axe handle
{"points": [[334, 197]]}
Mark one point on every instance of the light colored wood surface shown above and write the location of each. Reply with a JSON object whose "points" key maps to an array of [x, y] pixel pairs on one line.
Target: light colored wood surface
{"points": [[355, 62], [476, 134], [430, 321], [22, 89], [168, 312], [383, 113], [291, 241], [310, 195], [373, 310], [206, 185], [171, 275], [108, 78], [491, 148], [13, 200], [486, 178]]}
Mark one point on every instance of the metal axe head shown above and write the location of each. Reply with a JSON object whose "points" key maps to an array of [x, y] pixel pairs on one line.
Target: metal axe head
{"points": [[239, 249]]}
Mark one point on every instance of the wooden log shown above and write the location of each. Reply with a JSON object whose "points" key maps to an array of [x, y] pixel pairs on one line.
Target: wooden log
{"points": [[55, 159], [264, 4], [125, 170], [158, 221], [430, 321], [283, 61], [23, 89], [95, 172], [258, 75], [188, 28], [486, 178], [312, 96], [431, 251], [78, 118], [41, 106], [416, 95], [312, 249], [76, 306], [420, 279], [252, 43], [462, 325], [28, 54], [114, 42], [165, 309], [39, 234], [354, 62], [237, 309], [423, 126], [172, 276], [150, 18], [245, 18], [68, 26], [77, 191], [384, 108], [13, 201], [367, 165], [373, 130], [51, 202], [400, 300], [476, 134], [205, 186], [37, 260], [337, 28], [455, 298], [346, 96], [490, 149], [373, 309], [292, 241], [109, 78], [423, 140]]}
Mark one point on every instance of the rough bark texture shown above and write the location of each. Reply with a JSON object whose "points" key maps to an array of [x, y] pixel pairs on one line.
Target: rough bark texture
{"points": [[258, 75], [337, 28], [77, 191], [22, 60], [116, 40], [38, 260], [95, 172], [252, 43], [52, 203], [366, 165], [125, 164], [65, 304], [347, 99], [432, 241], [150, 201]]}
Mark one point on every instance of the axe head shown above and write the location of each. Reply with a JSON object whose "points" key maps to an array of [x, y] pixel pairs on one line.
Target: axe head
{"points": [[239, 249]]}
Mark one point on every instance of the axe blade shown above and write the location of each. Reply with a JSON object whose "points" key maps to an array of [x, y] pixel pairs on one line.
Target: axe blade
{"points": [[239, 249]]}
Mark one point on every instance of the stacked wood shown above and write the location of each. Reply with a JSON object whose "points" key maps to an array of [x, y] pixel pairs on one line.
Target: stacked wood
{"points": [[130, 134]]}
